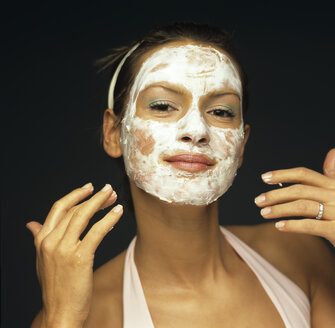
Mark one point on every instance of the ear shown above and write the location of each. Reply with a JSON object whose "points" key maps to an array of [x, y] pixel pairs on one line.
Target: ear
{"points": [[246, 136], [111, 138]]}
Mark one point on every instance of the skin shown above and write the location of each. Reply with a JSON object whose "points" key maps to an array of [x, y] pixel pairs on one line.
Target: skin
{"points": [[190, 274]]}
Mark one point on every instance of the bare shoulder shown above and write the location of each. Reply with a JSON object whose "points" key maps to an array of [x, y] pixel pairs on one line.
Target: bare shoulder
{"points": [[305, 259], [106, 308]]}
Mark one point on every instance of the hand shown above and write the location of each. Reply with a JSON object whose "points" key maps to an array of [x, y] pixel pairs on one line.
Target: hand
{"points": [[64, 263], [302, 199]]}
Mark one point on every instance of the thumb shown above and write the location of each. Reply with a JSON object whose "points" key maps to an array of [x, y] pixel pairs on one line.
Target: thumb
{"points": [[34, 227], [329, 164]]}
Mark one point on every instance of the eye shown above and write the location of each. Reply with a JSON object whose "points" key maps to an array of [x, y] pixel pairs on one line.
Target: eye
{"points": [[227, 112], [162, 106]]}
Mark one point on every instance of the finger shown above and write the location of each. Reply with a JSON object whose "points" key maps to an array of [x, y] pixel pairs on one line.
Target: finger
{"points": [[294, 192], [63, 205], [84, 213], [60, 229], [99, 230], [34, 227], [329, 164], [299, 175], [314, 227], [301, 207]]}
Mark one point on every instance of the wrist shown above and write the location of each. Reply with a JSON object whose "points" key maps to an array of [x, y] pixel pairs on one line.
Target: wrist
{"points": [[63, 324], [58, 321]]}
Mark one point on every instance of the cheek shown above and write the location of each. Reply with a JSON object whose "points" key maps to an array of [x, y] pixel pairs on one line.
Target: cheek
{"points": [[229, 137], [225, 143], [222, 146], [133, 160], [141, 146], [143, 142]]}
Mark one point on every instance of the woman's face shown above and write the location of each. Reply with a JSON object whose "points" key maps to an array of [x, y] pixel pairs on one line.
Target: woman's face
{"points": [[182, 132]]}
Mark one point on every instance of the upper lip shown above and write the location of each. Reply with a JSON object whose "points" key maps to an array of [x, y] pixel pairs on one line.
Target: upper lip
{"points": [[190, 158]]}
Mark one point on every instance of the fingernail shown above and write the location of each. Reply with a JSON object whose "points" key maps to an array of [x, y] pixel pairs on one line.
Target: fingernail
{"points": [[280, 225], [106, 187], [260, 199], [117, 209], [27, 226], [113, 196], [267, 176], [266, 210], [87, 186]]}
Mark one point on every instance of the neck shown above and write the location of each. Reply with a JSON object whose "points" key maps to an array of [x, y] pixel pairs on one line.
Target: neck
{"points": [[180, 244]]}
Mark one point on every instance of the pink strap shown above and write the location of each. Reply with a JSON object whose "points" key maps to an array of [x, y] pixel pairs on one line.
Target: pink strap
{"points": [[135, 309]]}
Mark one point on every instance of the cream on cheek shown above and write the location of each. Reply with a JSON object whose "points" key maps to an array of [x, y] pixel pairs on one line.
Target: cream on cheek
{"points": [[146, 143]]}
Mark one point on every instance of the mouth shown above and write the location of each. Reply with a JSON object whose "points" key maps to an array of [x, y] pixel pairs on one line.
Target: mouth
{"points": [[190, 162]]}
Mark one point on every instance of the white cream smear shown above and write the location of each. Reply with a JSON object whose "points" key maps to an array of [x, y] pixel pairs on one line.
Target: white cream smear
{"points": [[200, 70]]}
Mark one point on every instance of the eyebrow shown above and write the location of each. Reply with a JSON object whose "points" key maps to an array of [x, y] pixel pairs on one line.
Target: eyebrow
{"points": [[217, 94], [175, 90]]}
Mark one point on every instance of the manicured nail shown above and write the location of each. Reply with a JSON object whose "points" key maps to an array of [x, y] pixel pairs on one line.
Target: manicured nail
{"points": [[27, 226], [266, 211], [87, 186], [280, 225], [113, 196], [106, 187], [260, 199], [117, 209], [267, 177]]}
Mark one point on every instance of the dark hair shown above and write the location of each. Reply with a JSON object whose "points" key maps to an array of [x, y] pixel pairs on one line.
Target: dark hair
{"points": [[184, 31], [201, 33]]}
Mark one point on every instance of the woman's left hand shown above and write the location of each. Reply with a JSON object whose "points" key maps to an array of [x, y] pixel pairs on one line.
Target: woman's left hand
{"points": [[302, 199]]}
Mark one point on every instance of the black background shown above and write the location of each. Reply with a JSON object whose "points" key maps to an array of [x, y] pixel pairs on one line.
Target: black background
{"points": [[53, 100]]}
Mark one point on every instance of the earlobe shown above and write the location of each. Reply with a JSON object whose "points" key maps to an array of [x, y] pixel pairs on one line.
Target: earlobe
{"points": [[111, 134], [246, 136]]}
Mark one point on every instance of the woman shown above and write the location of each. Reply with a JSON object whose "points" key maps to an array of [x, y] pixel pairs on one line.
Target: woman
{"points": [[175, 115]]}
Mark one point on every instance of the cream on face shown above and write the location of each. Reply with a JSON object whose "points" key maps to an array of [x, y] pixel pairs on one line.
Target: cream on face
{"points": [[147, 144]]}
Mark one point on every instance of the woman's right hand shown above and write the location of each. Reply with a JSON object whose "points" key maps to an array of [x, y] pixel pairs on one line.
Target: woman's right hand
{"points": [[64, 263]]}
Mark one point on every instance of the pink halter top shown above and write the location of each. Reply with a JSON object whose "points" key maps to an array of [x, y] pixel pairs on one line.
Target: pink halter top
{"points": [[289, 299]]}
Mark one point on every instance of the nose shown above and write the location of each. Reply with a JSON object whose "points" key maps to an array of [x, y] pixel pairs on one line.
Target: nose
{"points": [[193, 129]]}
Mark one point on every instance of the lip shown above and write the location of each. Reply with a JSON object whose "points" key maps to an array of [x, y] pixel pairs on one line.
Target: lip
{"points": [[190, 162]]}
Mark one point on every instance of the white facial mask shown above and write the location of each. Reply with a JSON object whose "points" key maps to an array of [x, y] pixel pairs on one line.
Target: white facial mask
{"points": [[145, 143]]}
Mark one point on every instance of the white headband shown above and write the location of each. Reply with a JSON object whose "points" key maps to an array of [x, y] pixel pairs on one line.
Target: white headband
{"points": [[116, 74]]}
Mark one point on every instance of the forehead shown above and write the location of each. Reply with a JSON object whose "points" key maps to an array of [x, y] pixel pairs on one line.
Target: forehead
{"points": [[188, 65], [187, 58]]}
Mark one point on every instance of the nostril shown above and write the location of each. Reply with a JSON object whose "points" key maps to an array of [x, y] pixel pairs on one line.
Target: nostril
{"points": [[203, 140], [186, 138]]}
